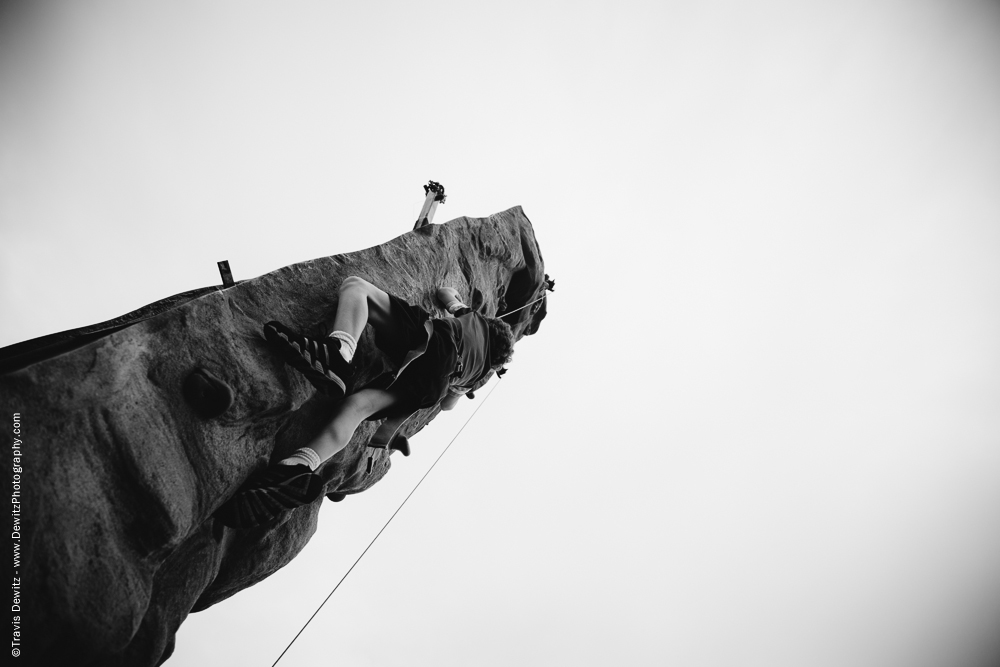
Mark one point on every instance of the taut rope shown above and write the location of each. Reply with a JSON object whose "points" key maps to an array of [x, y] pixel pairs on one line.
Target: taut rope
{"points": [[443, 452], [523, 307]]}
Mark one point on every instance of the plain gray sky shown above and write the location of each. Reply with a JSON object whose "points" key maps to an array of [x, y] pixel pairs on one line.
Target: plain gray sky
{"points": [[760, 424]]}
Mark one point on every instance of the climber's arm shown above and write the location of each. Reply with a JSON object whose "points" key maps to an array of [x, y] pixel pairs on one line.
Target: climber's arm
{"points": [[451, 399], [450, 299]]}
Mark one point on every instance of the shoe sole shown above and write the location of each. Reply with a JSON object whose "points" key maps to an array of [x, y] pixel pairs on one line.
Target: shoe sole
{"points": [[281, 338], [270, 502]]}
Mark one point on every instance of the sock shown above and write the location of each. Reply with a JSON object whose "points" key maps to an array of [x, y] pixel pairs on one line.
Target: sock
{"points": [[455, 305], [302, 456], [348, 344]]}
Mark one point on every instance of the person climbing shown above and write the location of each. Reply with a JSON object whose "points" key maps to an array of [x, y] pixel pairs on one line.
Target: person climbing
{"points": [[438, 361]]}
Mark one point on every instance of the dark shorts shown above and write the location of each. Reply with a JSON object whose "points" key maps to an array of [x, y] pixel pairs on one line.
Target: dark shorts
{"points": [[408, 329], [425, 380]]}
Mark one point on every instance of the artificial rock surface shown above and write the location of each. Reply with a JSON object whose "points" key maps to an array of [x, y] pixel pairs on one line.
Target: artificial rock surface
{"points": [[126, 459]]}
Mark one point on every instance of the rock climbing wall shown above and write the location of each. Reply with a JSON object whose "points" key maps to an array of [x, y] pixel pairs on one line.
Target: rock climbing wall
{"points": [[142, 427]]}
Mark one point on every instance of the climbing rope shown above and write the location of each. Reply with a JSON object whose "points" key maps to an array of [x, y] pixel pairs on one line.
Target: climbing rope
{"points": [[523, 307], [443, 452]]}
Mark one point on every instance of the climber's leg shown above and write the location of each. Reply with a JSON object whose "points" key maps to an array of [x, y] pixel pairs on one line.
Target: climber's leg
{"points": [[293, 482], [358, 301], [355, 409], [326, 362], [361, 303]]}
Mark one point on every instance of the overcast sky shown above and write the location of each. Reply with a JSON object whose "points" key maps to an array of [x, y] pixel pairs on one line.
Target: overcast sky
{"points": [[760, 425]]}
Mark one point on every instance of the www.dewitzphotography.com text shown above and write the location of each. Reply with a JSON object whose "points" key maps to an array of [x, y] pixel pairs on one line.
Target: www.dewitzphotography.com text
{"points": [[15, 536]]}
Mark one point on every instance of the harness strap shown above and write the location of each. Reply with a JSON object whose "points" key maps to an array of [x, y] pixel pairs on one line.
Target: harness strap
{"points": [[416, 352]]}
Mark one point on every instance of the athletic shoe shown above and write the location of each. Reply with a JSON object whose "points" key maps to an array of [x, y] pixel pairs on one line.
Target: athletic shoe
{"points": [[269, 495], [319, 360]]}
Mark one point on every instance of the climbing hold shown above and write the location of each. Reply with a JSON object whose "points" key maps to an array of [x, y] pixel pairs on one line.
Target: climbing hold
{"points": [[401, 444], [336, 496], [206, 394], [477, 300]]}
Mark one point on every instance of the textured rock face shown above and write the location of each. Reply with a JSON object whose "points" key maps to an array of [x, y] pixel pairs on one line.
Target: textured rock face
{"points": [[125, 473]]}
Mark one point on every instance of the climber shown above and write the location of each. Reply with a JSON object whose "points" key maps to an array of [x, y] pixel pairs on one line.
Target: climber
{"points": [[438, 360]]}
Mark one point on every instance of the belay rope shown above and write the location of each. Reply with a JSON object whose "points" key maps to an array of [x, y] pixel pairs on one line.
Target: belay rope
{"points": [[522, 307], [549, 284], [443, 452]]}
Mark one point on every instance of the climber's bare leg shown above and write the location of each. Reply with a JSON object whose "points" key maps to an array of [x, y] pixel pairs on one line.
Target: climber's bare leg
{"points": [[355, 409], [361, 303], [326, 361]]}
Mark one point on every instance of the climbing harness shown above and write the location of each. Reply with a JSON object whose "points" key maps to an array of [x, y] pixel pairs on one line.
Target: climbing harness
{"points": [[443, 452]]}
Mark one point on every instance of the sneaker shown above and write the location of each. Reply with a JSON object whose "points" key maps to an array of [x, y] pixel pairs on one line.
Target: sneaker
{"points": [[270, 494], [319, 360]]}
